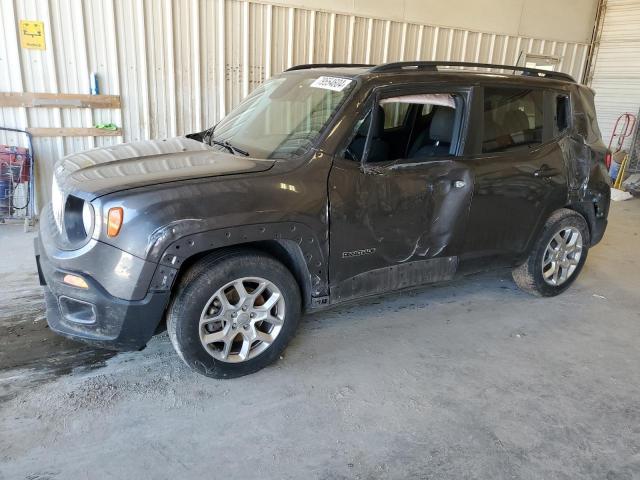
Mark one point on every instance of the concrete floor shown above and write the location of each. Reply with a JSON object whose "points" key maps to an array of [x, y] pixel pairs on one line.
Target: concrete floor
{"points": [[472, 379]]}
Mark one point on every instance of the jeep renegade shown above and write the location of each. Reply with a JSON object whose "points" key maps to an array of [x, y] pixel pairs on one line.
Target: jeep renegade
{"points": [[327, 184]]}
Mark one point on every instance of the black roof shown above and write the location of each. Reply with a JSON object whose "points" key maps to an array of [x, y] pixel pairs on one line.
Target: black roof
{"points": [[424, 66]]}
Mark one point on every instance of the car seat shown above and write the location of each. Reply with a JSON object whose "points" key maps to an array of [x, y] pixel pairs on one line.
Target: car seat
{"points": [[379, 150], [437, 141]]}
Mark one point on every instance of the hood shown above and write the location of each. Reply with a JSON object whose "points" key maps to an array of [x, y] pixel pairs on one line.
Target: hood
{"points": [[121, 167]]}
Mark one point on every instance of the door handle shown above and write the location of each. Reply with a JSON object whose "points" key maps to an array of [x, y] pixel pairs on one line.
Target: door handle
{"points": [[545, 171], [444, 185]]}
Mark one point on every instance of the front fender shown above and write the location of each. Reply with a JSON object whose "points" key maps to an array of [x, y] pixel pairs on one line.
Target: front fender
{"points": [[181, 249]]}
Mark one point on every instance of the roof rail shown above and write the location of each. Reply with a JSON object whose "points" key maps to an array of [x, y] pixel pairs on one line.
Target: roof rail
{"points": [[327, 65], [433, 67]]}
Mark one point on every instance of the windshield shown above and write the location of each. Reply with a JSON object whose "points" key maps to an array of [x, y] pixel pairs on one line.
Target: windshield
{"points": [[283, 117]]}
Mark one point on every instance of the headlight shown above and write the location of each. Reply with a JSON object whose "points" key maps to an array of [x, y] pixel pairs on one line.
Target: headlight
{"points": [[87, 218], [79, 221]]}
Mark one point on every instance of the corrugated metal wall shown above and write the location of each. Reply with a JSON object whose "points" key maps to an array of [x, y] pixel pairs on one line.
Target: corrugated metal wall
{"points": [[180, 65], [616, 69]]}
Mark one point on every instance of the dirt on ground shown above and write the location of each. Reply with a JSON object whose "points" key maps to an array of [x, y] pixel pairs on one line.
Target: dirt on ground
{"points": [[26, 344], [472, 379]]}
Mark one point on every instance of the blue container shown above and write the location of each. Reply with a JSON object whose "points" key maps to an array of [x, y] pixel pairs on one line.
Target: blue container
{"points": [[613, 170], [5, 194], [95, 85]]}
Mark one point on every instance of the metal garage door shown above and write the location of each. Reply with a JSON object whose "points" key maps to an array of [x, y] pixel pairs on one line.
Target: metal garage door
{"points": [[616, 74]]}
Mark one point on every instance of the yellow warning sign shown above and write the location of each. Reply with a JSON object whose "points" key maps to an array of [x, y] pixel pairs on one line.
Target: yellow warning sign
{"points": [[32, 34]]}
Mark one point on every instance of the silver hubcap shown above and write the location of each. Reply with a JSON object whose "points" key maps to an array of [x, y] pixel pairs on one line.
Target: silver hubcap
{"points": [[242, 319], [562, 256]]}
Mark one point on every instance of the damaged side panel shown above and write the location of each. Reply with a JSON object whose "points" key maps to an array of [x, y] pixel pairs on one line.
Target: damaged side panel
{"points": [[578, 161], [395, 277], [583, 149], [396, 226], [584, 153]]}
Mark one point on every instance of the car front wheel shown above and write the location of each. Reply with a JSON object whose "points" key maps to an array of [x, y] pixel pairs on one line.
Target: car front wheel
{"points": [[234, 313], [557, 257]]}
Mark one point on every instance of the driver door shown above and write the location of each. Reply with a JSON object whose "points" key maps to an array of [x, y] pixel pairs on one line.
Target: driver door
{"points": [[397, 222]]}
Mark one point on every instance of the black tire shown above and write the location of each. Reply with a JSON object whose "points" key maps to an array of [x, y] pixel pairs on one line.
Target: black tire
{"points": [[195, 289], [529, 277]]}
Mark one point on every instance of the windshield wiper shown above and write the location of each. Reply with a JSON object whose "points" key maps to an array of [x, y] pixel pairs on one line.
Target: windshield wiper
{"points": [[229, 147]]}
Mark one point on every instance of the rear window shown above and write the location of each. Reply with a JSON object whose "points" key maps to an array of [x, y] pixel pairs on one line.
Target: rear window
{"points": [[513, 118]]}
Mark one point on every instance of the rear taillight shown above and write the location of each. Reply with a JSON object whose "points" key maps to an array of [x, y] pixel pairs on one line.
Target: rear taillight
{"points": [[607, 160]]}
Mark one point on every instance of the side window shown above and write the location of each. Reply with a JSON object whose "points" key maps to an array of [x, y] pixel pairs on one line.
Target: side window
{"points": [[355, 150], [395, 115], [408, 127], [513, 118], [562, 114]]}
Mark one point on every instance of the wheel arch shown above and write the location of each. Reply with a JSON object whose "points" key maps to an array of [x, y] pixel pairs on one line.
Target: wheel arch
{"points": [[595, 212], [582, 208], [587, 211], [292, 244], [593, 205], [529, 274]]}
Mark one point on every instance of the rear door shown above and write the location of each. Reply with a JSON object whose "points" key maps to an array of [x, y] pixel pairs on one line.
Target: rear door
{"points": [[519, 170], [397, 222]]}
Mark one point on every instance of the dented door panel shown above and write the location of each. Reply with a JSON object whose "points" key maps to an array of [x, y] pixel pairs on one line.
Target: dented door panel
{"points": [[384, 217]]}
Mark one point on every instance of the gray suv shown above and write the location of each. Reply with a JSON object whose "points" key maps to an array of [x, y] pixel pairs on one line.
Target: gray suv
{"points": [[327, 184]]}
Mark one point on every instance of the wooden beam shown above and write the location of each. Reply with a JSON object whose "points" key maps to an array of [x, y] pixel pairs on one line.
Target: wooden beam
{"points": [[58, 100], [73, 132]]}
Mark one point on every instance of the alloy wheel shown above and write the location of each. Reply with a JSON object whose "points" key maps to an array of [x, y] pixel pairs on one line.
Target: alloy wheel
{"points": [[242, 319], [562, 256]]}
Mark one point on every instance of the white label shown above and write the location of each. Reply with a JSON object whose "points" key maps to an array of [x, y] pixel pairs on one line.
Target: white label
{"points": [[336, 84]]}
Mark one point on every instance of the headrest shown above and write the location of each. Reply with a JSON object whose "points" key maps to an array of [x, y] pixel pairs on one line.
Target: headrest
{"points": [[441, 128], [378, 126]]}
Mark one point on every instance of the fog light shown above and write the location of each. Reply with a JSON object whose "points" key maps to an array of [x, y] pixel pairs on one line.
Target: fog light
{"points": [[75, 281], [77, 311]]}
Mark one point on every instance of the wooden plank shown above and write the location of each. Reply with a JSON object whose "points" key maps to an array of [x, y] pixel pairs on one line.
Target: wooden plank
{"points": [[73, 132], [58, 100]]}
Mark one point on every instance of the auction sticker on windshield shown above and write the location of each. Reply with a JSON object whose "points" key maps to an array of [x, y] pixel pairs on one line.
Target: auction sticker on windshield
{"points": [[336, 84]]}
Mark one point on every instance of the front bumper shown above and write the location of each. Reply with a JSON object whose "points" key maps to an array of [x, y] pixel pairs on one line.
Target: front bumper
{"points": [[94, 315]]}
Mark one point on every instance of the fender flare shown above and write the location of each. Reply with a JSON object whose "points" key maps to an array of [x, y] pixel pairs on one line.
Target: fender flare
{"points": [[309, 261]]}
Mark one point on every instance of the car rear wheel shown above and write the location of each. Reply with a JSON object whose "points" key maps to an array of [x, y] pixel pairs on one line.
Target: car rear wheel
{"points": [[557, 257], [234, 313]]}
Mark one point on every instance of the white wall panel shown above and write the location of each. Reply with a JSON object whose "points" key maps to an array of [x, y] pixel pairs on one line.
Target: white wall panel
{"points": [[180, 65], [12, 79], [561, 20], [102, 55]]}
